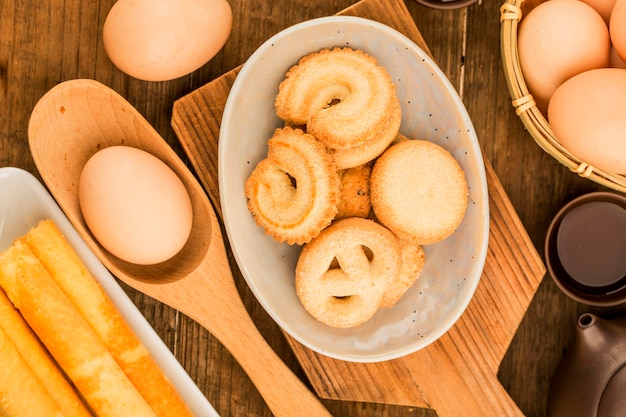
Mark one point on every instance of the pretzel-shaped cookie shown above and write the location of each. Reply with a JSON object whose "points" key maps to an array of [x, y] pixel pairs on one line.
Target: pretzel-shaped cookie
{"points": [[413, 260], [342, 274]]}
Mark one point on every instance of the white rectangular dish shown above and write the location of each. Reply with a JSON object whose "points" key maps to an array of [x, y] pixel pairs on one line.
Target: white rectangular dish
{"points": [[23, 203]]}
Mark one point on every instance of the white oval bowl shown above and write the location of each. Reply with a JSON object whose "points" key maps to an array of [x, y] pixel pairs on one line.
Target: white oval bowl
{"points": [[432, 110]]}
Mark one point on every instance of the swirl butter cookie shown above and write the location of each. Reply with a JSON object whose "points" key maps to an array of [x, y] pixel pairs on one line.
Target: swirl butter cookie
{"points": [[294, 192], [342, 96]]}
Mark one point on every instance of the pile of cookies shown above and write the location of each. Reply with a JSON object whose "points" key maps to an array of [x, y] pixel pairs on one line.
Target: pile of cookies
{"points": [[340, 179]]}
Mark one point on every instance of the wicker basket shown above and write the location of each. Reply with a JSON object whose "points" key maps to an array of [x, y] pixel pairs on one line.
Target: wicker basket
{"points": [[527, 110]]}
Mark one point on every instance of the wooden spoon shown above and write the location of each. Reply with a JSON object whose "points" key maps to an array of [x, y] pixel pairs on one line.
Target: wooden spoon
{"points": [[76, 119]]}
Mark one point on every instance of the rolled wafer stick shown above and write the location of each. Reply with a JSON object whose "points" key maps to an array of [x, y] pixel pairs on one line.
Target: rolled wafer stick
{"points": [[66, 268], [39, 361], [21, 392], [67, 336]]}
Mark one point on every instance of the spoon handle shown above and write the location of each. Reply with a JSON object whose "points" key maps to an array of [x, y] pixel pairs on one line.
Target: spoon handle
{"points": [[285, 394]]}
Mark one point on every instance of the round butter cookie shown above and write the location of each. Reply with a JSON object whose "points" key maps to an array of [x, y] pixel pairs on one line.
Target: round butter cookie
{"points": [[419, 191]]}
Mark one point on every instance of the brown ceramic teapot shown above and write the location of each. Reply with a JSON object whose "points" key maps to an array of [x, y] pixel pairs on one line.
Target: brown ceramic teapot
{"points": [[590, 381]]}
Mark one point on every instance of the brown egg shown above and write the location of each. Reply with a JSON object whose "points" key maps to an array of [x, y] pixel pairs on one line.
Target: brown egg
{"points": [[616, 61], [618, 28], [603, 7], [159, 40], [135, 205], [557, 40], [587, 114]]}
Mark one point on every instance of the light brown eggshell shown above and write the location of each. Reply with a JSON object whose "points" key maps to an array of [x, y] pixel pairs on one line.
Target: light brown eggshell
{"points": [[616, 60], [603, 7], [617, 28], [588, 116], [135, 205], [557, 40], [159, 40]]}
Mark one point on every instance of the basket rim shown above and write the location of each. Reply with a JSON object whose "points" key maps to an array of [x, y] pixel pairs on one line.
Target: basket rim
{"points": [[526, 109]]}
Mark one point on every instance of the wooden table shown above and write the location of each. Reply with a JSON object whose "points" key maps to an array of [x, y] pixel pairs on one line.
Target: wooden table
{"points": [[42, 44]]}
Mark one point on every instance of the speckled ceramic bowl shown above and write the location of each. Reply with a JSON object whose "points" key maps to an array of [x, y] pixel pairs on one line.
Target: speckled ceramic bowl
{"points": [[432, 110]]}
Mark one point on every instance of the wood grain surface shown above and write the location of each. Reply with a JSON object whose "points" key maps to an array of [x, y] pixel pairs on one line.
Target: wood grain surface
{"points": [[457, 374], [43, 43]]}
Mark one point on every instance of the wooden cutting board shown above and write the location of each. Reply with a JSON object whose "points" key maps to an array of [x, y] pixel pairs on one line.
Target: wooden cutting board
{"points": [[455, 376]]}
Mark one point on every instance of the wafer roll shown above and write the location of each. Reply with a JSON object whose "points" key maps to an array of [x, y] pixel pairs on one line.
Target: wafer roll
{"points": [[67, 336], [21, 392], [66, 268], [39, 361]]}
